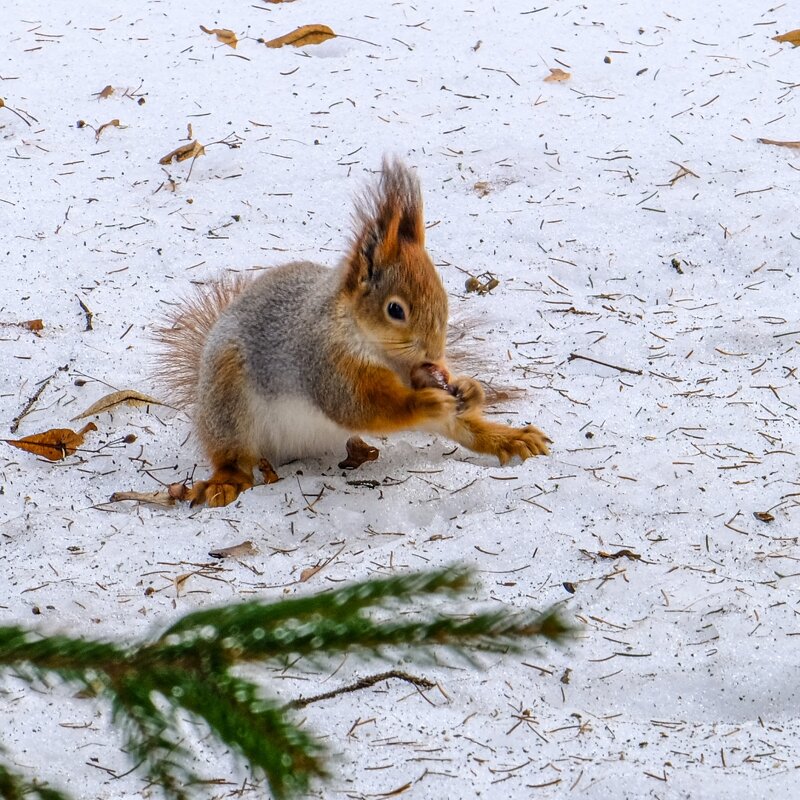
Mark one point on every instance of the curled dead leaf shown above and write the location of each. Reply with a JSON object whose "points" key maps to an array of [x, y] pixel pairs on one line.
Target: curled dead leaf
{"points": [[106, 92], [236, 551], [156, 498], [124, 396], [305, 34], [764, 516], [482, 188], [112, 123], [557, 75], [34, 325], [793, 37], [309, 572], [779, 144], [54, 444], [184, 152], [223, 34]]}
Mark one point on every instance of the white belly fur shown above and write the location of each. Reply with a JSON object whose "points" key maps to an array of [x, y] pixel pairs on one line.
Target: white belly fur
{"points": [[292, 427]]}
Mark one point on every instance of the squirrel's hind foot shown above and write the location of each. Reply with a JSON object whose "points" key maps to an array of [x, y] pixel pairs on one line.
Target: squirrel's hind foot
{"points": [[221, 489], [267, 472]]}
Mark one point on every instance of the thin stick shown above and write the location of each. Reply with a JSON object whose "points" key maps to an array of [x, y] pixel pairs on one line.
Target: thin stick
{"points": [[364, 683], [573, 356], [88, 313], [29, 405]]}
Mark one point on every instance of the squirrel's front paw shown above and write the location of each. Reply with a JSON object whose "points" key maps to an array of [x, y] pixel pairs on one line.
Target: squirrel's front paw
{"points": [[435, 403], [522, 442], [221, 489], [468, 392]]}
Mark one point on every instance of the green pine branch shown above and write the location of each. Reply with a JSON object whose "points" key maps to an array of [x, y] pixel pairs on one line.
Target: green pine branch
{"points": [[15, 787], [187, 669]]}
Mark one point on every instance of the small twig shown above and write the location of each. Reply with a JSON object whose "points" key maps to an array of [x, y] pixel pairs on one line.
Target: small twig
{"points": [[356, 39], [364, 683], [29, 405], [14, 111], [573, 356], [89, 315]]}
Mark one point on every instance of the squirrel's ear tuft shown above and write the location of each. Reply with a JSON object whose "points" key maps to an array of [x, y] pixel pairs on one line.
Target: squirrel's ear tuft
{"points": [[386, 218]]}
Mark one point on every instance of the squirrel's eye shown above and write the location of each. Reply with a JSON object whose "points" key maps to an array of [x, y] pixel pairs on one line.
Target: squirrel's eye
{"points": [[395, 311]]}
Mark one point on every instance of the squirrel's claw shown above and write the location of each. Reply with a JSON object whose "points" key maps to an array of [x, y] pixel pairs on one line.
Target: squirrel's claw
{"points": [[267, 472], [524, 442], [221, 489], [468, 392]]}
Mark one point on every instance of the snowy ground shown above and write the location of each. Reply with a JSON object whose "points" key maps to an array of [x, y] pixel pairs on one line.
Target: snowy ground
{"points": [[577, 195]]}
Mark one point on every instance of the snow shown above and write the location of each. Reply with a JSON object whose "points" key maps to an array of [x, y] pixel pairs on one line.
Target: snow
{"points": [[682, 681]]}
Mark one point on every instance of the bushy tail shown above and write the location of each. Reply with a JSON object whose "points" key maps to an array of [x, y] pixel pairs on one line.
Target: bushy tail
{"points": [[182, 336], [465, 356]]}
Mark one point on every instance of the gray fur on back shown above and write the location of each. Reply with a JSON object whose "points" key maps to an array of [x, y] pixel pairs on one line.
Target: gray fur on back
{"points": [[281, 323]]}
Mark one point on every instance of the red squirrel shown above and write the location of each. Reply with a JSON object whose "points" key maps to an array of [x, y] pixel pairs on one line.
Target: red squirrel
{"points": [[305, 357]]}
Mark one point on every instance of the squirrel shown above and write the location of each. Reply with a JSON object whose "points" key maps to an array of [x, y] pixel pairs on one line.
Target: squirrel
{"points": [[303, 357]]}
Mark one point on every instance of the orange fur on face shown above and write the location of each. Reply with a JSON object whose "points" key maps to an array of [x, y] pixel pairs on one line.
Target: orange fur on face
{"points": [[388, 260]]}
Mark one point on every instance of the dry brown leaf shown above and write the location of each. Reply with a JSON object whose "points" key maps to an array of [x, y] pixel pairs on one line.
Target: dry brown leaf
{"points": [[236, 551], [180, 581], [557, 75], [112, 123], [175, 491], [54, 444], [34, 325], [156, 498], [764, 516], [223, 34], [793, 37], [482, 188], [2, 102], [305, 34], [107, 92], [184, 152], [310, 572], [780, 144], [108, 402]]}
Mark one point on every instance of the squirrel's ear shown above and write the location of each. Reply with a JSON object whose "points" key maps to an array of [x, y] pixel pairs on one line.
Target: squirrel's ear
{"points": [[386, 218]]}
